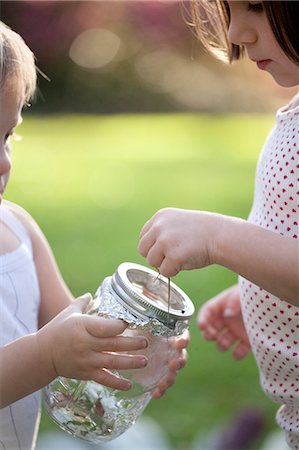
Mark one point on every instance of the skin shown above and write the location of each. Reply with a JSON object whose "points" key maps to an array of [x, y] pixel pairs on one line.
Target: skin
{"points": [[251, 28], [228, 241], [93, 345]]}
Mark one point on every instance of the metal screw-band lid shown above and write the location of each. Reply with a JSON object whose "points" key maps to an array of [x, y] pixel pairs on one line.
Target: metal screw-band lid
{"points": [[146, 292]]}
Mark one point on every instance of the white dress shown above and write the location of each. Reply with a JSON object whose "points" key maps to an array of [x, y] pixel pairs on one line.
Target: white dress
{"points": [[272, 324], [19, 306]]}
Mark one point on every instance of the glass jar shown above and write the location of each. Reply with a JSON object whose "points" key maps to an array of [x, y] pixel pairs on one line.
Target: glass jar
{"points": [[154, 307]]}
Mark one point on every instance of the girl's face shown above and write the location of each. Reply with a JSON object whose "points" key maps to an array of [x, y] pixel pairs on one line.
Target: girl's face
{"points": [[10, 117], [249, 26]]}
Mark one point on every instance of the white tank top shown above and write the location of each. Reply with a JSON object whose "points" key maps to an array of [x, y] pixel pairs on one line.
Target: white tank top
{"points": [[19, 306]]}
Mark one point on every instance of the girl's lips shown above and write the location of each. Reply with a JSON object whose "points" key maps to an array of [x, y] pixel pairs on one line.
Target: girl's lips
{"points": [[263, 63]]}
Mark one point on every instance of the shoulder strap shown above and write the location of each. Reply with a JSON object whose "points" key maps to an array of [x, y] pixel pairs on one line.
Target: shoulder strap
{"points": [[14, 224]]}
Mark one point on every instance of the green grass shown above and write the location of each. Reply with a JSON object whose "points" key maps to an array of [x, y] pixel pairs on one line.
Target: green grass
{"points": [[91, 182]]}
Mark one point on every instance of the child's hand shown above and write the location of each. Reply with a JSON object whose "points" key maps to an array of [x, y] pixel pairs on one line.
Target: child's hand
{"points": [[177, 363], [177, 239], [81, 346], [220, 320]]}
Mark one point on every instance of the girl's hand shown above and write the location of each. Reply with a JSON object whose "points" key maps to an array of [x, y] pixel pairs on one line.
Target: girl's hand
{"points": [[81, 346], [175, 364], [220, 320], [177, 239]]}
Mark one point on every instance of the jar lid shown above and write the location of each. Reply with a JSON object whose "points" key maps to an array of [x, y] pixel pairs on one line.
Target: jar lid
{"points": [[148, 293]]}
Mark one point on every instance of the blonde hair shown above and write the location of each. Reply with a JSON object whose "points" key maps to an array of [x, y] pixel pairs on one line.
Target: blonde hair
{"points": [[17, 65]]}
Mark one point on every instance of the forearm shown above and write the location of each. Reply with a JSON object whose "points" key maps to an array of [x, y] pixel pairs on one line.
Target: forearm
{"points": [[267, 259], [23, 369]]}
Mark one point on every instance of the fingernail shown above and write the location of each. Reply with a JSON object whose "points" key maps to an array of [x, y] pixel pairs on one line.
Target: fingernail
{"points": [[144, 343], [229, 312], [144, 362], [128, 385]]}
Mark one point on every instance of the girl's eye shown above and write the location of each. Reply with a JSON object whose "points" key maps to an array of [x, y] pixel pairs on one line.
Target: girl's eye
{"points": [[255, 6]]}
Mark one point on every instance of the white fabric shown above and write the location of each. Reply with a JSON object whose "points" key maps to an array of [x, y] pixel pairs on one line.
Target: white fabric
{"points": [[273, 324], [19, 305]]}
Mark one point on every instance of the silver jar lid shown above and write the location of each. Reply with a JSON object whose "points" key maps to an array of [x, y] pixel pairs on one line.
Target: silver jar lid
{"points": [[145, 292]]}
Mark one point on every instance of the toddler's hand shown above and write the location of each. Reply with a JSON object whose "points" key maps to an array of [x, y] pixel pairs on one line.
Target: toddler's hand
{"points": [[220, 320], [81, 346], [175, 364], [177, 239]]}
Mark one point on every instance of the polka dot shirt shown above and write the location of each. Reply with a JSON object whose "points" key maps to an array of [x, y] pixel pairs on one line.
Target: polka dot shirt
{"points": [[272, 324]]}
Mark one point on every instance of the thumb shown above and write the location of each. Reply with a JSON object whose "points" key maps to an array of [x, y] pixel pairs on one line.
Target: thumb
{"points": [[80, 304]]}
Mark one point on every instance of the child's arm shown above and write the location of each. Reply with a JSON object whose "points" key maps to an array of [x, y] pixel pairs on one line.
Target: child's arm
{"points": [[55, 295], [72, 344], [175, 240]]}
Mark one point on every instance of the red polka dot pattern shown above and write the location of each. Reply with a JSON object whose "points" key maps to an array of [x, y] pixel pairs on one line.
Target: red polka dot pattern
{"points": [[272, 324]]}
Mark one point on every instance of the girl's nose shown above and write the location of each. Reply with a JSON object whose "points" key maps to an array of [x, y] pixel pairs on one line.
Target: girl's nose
{"points": [[240, 32]]}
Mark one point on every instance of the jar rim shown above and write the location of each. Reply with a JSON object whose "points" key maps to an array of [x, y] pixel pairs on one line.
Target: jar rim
{"points": [[146, 291]]}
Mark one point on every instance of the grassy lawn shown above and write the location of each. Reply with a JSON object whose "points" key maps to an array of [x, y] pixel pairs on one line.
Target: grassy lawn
{"points": [[91, 182]]}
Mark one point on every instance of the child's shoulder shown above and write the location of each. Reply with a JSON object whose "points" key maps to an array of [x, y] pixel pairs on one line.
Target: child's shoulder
{"points": [[22, 215]]}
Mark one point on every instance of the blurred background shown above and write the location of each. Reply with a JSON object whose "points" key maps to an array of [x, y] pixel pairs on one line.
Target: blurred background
{"points": [[133, 116]]}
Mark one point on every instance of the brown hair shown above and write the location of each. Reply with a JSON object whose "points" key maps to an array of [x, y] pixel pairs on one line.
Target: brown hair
{"points": [[17, 65], [211, 19]]}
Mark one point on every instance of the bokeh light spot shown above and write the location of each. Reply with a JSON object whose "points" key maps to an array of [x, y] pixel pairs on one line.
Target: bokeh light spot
{"points": [[95, 48]]}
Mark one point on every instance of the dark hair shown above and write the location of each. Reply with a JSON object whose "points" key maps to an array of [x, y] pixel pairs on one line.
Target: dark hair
{"points": [[211, 19]]}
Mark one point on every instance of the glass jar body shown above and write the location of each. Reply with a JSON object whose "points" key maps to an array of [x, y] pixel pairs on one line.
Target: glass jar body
{"points": [[94, 412]]}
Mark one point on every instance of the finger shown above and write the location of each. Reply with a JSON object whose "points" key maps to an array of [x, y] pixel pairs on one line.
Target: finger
{"points": [[80, 304], [106, 378], [155, 256], [241, 350], [146, 243], [183, 341], [179, 362], [146, 227], [205, 315], [169, 267], [232, 309], [210, 318], [226, 340], [118, 344], [115, 361], [162, 387], [101, 327], [210, 333], [157, 393]]}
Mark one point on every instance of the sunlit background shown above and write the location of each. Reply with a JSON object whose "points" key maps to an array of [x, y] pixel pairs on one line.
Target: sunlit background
{"points": [[131, 116], [121, 56]]}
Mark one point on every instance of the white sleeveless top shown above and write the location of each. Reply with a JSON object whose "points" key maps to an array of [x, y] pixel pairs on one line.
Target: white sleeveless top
{"points": [[19, 306], [272, 324]]}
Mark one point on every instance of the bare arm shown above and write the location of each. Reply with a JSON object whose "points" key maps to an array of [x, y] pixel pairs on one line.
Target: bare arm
{"points": [[55, 295], [175, 240], [269, 260], [69, 342]]}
